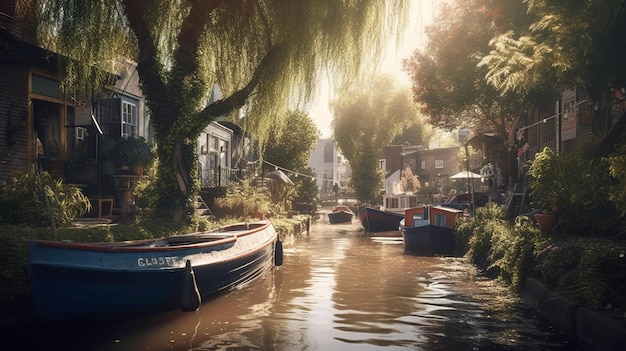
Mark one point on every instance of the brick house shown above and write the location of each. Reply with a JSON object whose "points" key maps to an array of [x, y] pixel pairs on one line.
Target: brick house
{"points": [[68, 136]]}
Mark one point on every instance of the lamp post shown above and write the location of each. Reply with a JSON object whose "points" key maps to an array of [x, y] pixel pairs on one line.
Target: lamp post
{"points": [[219, 167], [470, 195]]}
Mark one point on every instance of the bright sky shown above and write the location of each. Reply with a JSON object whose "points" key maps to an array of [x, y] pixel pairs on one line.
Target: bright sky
{"points": [[422, 14]]}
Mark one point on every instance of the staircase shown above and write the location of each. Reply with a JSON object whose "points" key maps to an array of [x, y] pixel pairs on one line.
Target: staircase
{"points": [[518, 198], [202, 210]]}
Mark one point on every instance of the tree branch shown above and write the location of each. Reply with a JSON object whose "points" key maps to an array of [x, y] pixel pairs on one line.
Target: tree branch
{"points": [[148, 67], [237, 99]]}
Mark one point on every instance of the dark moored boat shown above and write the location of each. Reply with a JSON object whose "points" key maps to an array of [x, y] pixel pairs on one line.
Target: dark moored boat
{"points": [[429, 230], [375, 220], [340, 214], [71, 280]]}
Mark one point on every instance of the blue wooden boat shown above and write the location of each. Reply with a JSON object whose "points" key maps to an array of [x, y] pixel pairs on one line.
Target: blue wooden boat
{"points": [[72, 280], [375, 220], [429, 230]]}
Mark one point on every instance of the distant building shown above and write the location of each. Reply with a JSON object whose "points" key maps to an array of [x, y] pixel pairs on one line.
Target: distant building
{"points": [[329, 166], [433, 167]]}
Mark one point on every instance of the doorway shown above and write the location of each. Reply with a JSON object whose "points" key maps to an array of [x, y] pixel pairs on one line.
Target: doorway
{"points": [[47, 128]]}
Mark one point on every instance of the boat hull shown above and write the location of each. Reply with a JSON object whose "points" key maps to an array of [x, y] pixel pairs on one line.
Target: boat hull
{"points": [[340, 214], [374, 220], [428, 240], [81, 281]]}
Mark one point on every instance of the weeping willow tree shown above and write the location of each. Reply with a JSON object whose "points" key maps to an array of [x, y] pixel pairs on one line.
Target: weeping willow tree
{"points": [[265, 55]]}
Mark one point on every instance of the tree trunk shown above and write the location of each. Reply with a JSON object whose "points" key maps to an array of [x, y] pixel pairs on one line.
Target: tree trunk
{"points": [[177, 184]]}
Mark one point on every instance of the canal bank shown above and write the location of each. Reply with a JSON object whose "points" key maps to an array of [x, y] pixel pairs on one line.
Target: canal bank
{"points": [[595, 330], [591, 329]]}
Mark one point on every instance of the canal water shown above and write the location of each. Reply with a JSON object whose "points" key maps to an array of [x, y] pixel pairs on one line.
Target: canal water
{"points": [[339, 289]]}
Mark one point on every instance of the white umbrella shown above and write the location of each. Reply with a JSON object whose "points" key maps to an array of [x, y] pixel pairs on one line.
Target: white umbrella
{"points": [[279, 176], [465, 175]]}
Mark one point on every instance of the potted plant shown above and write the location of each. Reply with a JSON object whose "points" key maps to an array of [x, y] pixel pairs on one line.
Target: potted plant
{"points": [[547, 190], [133, 153]]}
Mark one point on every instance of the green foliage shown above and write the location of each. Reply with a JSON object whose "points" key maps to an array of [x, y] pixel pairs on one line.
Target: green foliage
{"points": [[38, 199], [367, 178], [473, 234], [513, 251], [290, 226], [306, 199], [589, 271], [290, 147], [244, 200], [365, 121], [264, 58], [577, 188], [132, 152], [13, 277], [502, 248], [617, 169], [546, 183], [414, 134], [447, 83]]}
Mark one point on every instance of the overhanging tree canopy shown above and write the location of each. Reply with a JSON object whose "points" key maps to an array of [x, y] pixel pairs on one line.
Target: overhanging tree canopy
{"points": [[264, 55]]}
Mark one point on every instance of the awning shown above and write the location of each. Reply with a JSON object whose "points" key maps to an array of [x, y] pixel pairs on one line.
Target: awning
{"points": [[465, 175]]}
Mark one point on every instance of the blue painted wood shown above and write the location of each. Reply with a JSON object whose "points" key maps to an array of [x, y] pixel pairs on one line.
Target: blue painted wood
{"points": [[374, 220], [72, 280]]}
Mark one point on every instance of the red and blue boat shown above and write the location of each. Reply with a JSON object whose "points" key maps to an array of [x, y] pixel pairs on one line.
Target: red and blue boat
{"points": [[72, 280], [375, 220], [429, 230]]}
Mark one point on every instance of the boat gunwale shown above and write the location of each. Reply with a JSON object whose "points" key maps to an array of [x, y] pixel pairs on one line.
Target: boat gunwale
{"points": [[143, 245]]}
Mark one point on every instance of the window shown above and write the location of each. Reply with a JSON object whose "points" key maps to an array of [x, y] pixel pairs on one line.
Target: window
{"points": [[440, 219], [382, 164], [129, 119], [438, 163], [391, 203], [423, 164]]}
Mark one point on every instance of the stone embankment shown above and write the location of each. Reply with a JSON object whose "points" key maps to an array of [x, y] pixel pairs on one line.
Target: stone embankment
{"points": [[593, 329]]}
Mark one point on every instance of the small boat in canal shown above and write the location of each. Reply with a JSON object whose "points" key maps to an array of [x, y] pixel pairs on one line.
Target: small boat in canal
{"points": [[340, 214], [375, 220], [429, 230], [72, 280]]}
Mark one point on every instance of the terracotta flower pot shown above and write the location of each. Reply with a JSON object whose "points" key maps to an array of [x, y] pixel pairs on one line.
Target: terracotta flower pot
{"points": [[546, 222]]}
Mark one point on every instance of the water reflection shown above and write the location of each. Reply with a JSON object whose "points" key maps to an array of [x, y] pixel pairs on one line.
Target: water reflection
{"points": [[339, 288]]}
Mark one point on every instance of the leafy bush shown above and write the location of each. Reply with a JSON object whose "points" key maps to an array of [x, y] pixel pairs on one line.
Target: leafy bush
{"points": [[473, 234], [513, 251], [40, 200], [132, 152], [617, 169], [577, 188], [244, 200], [501, 248], [590, 271]]}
